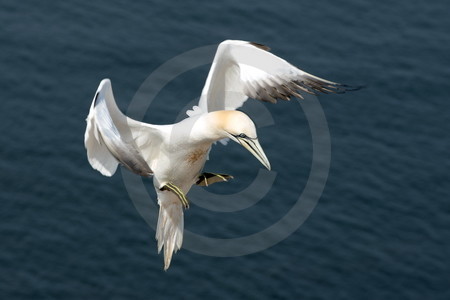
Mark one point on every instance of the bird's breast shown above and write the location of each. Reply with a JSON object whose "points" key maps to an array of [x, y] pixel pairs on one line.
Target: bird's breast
{"points": [[195, 156], [181, 167]]}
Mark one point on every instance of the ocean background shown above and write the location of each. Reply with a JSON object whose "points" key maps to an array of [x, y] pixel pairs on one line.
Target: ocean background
{"points": [[381, 229]]}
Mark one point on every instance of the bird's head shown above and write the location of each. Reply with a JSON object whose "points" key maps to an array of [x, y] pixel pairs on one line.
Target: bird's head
{"points": [[240, 128]]}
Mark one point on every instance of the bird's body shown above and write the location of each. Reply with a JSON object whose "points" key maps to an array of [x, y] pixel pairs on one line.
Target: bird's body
{"points": [[175, 154], [181, 158]]}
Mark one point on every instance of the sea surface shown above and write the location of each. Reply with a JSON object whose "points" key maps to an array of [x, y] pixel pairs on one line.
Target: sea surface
{"points": [[381, 228]]}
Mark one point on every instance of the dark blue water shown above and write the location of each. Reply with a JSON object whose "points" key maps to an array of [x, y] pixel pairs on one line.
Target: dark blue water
{"points": [[381, 229]]}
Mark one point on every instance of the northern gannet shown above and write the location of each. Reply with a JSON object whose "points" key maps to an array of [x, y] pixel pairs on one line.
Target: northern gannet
{"points": [[175, 154]]}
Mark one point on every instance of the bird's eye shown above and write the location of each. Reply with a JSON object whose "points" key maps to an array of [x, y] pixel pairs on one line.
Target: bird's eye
{"points": [[243, 135]]}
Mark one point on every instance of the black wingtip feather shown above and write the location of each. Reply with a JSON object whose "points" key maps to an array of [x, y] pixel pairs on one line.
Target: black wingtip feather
{"points": [[351, 88], [96, 98], [260, 46]]}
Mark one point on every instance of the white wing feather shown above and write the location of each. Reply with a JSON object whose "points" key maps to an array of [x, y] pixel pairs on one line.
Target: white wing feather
{"points": [[98, 154], [112, 138], [242, 69]]}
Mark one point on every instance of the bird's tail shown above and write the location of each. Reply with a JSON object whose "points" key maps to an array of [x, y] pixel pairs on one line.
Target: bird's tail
{"points": [[169, 231]]}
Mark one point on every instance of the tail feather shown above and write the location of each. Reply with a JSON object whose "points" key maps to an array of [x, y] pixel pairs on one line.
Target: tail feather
{"points": [[169, 231]]}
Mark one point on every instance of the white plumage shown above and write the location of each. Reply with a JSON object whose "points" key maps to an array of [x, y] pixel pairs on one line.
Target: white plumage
{"points": [[175, 154]]}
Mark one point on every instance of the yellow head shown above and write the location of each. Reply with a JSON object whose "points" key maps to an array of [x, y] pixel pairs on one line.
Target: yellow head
{"points": [[240, 128]]}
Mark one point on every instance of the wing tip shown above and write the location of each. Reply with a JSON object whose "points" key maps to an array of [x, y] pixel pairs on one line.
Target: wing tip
{"points": [[351, 88], [104, 81], [260, 46]]}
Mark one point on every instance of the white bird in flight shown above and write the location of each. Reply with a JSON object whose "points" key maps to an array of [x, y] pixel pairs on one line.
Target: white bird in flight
{"points": [[175, 154]]}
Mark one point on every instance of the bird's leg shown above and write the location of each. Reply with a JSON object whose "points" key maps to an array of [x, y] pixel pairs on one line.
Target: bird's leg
{"points": [[206, 179], [177, 191]]}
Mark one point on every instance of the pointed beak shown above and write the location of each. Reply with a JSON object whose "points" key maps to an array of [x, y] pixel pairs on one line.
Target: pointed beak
{"points": [[254, 147]]}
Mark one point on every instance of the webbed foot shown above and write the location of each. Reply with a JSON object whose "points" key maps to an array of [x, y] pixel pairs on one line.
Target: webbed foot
{"points": [[206, 179]]}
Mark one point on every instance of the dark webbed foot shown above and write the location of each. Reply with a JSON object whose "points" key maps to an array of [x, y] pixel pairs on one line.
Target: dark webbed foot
{"points": [[177, 191], [206, 179]]}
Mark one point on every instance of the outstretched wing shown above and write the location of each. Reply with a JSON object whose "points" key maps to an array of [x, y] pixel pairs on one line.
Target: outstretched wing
{"points": [[243, 69], [112, 138]]}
